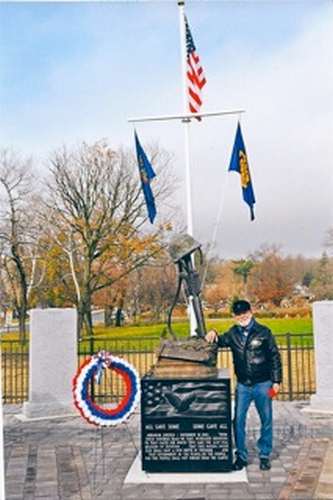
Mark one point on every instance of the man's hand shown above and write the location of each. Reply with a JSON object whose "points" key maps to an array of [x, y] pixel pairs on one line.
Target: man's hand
{"points": [[276, 388], [211, 336]]}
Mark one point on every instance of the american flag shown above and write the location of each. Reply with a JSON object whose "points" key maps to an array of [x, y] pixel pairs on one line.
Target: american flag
{"points": [[185, 399], [195, 75]]}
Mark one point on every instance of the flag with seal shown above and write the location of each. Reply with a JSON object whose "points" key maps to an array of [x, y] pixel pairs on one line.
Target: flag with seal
{"points": [[239, 163], [146, 175]]}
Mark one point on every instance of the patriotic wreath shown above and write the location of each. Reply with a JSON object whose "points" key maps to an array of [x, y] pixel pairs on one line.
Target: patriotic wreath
{"points": [[93, 367]]}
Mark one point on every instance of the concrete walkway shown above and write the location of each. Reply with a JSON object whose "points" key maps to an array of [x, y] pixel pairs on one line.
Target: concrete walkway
{"points": [[68, 458]]}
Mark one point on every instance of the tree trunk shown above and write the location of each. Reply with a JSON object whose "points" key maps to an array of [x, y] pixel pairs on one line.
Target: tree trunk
{"points": [[108, 315], [22, 314], [22, 302], [88, 319], [79, 321], [119, 317], [119, 313], [157, 314]]}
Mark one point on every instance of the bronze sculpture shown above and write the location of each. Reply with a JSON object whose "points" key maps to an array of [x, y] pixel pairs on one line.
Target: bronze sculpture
{"points": [[192, 356]]}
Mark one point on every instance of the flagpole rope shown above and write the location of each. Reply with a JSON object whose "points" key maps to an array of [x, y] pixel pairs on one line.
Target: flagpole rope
{"points": [[212, 243]]}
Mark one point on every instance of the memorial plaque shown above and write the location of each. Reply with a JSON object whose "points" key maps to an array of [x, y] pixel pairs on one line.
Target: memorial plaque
{"points": [[186, 424]]}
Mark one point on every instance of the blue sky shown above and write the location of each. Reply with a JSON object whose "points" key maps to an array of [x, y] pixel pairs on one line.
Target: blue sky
{"points": [[77, 71], [38, 38]]}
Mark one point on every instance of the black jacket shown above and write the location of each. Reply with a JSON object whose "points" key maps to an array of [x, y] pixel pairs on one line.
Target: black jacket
{"points": [[256, 357]]}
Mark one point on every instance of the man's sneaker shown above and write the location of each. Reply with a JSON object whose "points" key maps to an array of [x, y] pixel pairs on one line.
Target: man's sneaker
{"points": [[265, 464], [239, 464]]}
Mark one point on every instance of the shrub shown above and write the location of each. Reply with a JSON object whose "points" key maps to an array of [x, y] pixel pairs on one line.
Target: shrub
{"points": [[286, 312], [219, 314]]}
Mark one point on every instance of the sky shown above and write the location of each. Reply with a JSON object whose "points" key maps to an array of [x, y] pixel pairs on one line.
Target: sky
{"points": [[73, 72]]}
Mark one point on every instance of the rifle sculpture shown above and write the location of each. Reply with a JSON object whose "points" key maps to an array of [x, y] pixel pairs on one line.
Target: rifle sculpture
{"points": [[192, 356]]}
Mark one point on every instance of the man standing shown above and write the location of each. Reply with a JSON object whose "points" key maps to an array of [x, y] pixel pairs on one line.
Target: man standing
{"points": [[258, 370]]}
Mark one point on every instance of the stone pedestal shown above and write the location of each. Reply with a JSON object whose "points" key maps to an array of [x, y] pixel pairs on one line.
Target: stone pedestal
{"points": [[52, 363], [186, 424], [322, 401]]}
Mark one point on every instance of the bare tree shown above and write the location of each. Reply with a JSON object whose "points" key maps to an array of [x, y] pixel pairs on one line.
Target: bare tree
{"points": [[18, 232], [97, 215], [152, 288]]}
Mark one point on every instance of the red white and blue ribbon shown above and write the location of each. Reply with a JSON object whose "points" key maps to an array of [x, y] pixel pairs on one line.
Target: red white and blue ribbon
{"points": [[93, 367]]}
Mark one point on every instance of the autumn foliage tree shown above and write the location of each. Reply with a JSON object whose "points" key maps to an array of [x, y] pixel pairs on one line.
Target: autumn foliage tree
{"points": [[154, 287], [56, 289], [222, 285], [270, 279], [96, 214]]}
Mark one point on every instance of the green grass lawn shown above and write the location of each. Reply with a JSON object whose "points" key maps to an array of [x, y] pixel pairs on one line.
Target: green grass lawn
{"points": [[144, 336], [278, 326], [138, 345]]}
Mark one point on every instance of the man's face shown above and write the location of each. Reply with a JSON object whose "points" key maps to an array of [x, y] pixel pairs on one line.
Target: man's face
{"points": [[244, 319]]}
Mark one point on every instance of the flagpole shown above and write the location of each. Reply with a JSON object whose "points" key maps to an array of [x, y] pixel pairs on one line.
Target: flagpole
{"points": [[186, 118], [186, 122]]}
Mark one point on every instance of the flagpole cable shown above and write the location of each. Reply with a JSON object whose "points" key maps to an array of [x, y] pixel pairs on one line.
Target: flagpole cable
{"points": [[188, 180], [221, 206], [212, 243]]}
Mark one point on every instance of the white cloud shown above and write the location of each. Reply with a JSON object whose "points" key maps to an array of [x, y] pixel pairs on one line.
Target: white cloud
{"points": [[288, 125], [288, 131]]}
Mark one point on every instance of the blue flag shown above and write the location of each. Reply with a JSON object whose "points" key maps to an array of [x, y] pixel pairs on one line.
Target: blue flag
{"points": [[146, 174], [239, 164]]}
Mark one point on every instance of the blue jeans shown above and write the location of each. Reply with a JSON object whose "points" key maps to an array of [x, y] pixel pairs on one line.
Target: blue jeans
{"points": [[244, 396]]}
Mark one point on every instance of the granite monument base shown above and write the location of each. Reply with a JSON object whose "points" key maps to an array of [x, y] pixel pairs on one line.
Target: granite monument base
{"points": [[136, 475], [52, 363], [322, 401], [186, 424]]}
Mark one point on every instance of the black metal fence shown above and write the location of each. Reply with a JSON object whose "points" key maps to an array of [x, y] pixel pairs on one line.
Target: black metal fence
{"points": [[298, 362], [14, 371], [297, 352]]}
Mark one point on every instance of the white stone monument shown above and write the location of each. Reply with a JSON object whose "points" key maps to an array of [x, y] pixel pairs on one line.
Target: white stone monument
{"points": [[52, 363], [322, 401]]}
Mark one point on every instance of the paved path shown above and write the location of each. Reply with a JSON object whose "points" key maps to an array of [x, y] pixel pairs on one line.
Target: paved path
{"points": [[69, 459]]}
